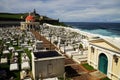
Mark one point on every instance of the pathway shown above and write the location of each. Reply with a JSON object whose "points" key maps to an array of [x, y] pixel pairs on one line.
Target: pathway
{"points": [[75, 70]]}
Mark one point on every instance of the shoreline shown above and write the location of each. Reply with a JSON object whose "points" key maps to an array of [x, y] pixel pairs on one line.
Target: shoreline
{"points": [[89, 35]]}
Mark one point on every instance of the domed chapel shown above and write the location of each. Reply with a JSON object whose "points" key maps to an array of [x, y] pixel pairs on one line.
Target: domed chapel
{"points": [[29, 22]]}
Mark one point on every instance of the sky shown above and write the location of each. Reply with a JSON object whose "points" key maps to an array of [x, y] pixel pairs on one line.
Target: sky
{"points": [[67, 10]]}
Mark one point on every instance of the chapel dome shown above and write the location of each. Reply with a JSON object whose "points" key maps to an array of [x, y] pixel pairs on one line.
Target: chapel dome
{"points": [[30, 18]]}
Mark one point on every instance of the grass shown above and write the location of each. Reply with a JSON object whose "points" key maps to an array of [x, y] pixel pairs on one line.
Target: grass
{"points": [[88, 67], [15, 74], [11, 16], [4, 67], [9, 57], [61, 78], [106, 78], [60, 24], [19, 60], [17, 47], [1, 42], [29, 55]]}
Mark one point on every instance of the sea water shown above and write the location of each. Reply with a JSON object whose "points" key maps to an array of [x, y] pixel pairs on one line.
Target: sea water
{"points": [[104, 29]]}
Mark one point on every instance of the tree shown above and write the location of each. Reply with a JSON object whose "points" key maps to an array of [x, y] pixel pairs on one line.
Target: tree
{"points": [[74, 47], [55, 42], [81, 48]]}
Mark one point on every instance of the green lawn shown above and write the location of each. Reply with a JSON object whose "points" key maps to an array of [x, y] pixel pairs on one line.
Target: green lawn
{"points": [[29, 55], [106, 78], [4, 67], [15, 74], [61, 78], [12, 16], [17, 47], [88, 67]]}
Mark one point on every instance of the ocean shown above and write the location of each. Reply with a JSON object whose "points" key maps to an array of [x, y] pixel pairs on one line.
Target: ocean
{"points": [[104, 29]]}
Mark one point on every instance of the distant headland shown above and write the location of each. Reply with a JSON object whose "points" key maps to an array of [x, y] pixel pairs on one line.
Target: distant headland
{"points": [[16, 18]]}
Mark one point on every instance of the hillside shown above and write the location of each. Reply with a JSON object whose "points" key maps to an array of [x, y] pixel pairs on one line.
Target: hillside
{"points": [[17, 16], [11, 16]]}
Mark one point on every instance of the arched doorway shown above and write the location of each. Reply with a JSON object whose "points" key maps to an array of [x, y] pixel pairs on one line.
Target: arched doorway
{"points": [[103, 63]]}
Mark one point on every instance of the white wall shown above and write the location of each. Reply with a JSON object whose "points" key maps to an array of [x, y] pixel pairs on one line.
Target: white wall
{"points": [[41, 68]]}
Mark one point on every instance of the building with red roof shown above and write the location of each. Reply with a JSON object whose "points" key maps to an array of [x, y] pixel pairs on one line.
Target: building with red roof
{"points": [[30, 18], [29, 23]]}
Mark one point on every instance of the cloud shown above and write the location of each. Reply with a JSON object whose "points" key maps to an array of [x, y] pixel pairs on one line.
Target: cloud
{"points": [[72, 10]]}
